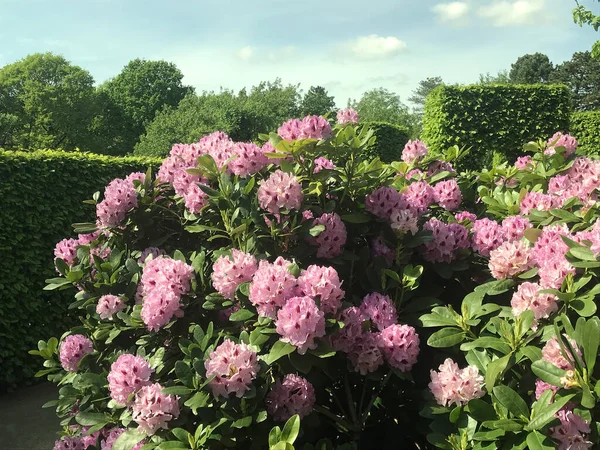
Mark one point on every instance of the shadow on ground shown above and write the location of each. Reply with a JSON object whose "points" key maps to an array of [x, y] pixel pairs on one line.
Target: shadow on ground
{"points": [[24, 425]]}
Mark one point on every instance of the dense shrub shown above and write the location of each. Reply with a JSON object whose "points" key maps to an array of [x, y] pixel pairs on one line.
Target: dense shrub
{"points": [[585, 126], [491, 119], [390, 140], [41, 194]]}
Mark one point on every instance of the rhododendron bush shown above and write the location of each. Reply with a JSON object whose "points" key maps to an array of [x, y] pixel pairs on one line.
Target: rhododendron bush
{"points": [[289, 294]]}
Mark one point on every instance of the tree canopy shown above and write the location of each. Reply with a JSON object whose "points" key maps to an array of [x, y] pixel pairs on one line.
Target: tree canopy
{"points": [[582, 75], [317, 102], [381, 105], [531, 69]]}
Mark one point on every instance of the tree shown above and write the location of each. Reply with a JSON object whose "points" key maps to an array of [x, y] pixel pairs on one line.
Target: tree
{"points": [[420, 94], [582, 75], [583, 16], [317, 102], [46, 102], [531, 69], [381, 105], [137, 93], [500, 78]]}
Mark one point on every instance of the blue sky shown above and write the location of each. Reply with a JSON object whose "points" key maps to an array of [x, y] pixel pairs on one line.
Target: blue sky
{"points": [[347, 46]]}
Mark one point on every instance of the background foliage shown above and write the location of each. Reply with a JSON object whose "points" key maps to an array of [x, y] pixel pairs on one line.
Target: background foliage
{"points": [[585, 126]]}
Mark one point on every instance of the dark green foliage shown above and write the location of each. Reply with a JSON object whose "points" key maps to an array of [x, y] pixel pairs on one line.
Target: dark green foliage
{"points": [[493, 118], [390, 142], [585, 126], [41, 195], [531, 69]]}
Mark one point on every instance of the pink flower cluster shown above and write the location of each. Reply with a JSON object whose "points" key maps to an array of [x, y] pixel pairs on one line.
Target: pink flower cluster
{"points": [[323, 163], [510, 259], [348, 115], [73, 348], [572, 432], [311, 127], [384, 201], [452, 385], [404, 221], [128, 374], [150, 251], [527, 297], [164, 281], [513, 227], [109, 305], [539, 201], [553, 354], [542, 386], [420, 196], [561, 140], [322, 283], [414, 151], [366, 349], [447, 194], [280, 191], [524, 162], [380, 249], [487, 236], [119, 197], [67, 251], [330, 241], [293, 395], [69, 443], [448, 239], [464, 216], [233, 367], [230, 272], [272, 285], [549, 254], [300, 322], [249, 159], [153, 410]]}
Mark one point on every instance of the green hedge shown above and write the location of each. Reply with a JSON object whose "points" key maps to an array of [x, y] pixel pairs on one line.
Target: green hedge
{"points": [[391, 139], [41, 195], [585, 126], [495, 118]]}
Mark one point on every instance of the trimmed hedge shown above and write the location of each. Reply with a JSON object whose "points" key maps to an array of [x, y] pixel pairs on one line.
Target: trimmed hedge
{"points": [[585, 126], [41, 195], [495, 118], [390, 141]]}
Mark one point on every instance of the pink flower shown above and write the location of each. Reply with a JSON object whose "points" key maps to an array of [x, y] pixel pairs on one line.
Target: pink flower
{"points": [[323, 163], [291, 130], [300, 322], [447, 194], [153, 410], [128, 374], [347, 115], [233, 366], [250, 159], [119, 197], [527, 297], [147, 252], [220, 147], [537, 200], [561, 140], [159, 307], [365, 355], [464, 216], [322, 283], [404, 221], [541, 387], [195, 198], [510, 259], [230, 272], [293, 395], [452, 385], [67, 251], [447, 239], [111, 437], [73, 349], [280, 191], [69, 443], [420, 196], [513, 227], [487, 236], [549, 254], [414, 151], [400, 346], [379, 309], [572, 431], [331, 240], [524, 163], [109, 305], [346, 338], [552, 353], [315, 127], [380, 249], [272, 285], [384, 201]]}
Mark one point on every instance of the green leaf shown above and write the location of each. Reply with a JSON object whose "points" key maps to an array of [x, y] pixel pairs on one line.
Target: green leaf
{"points": [[585, 306], [547, 413], [198, 400], [500, 287], [128, 440], [590, 342], [481, 410], [511, 401], [90, 418], [583, 253], [355, 218], [243, 422], [436, 320], [503, 424], [494, 370], [446, 337], [184, 373], [548, 372], [471, 304], [274, 436], [316, 230], [291, 429], [241, 315], [279, 350], [177, 390], [537, 441], [487, 342], [181, 434], [532, 234]]}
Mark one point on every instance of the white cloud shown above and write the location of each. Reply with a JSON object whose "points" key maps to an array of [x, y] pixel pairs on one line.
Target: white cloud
{"points": [[374, 46], [448, 12], [507, 13], [245, 53]]}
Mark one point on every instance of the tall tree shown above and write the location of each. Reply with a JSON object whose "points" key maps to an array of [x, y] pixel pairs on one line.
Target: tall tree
{"points": [[500, 78], [531, 69], [138, 92], [582, 74], [381, 105], [583, 16], [46, 102], [419, 95], [317, 102]]}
